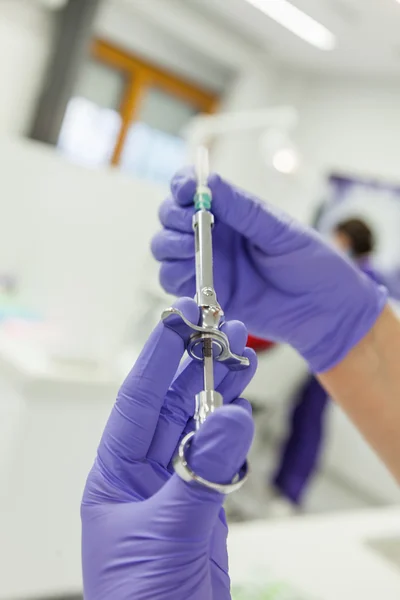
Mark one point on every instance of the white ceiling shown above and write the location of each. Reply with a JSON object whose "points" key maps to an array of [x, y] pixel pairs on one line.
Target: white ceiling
{"points": [[367, 33]]}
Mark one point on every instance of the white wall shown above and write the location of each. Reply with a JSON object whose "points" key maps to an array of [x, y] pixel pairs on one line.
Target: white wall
{"points": [[345, 125], [25, 35], [352, 126], [118, 23], [78, 240]]}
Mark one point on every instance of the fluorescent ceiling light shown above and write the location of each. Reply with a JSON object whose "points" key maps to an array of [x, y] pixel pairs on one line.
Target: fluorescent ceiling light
{"points": [[298, 22]]}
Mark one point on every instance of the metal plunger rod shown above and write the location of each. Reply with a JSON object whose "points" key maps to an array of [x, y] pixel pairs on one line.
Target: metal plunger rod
{"points": [[208, 365]]}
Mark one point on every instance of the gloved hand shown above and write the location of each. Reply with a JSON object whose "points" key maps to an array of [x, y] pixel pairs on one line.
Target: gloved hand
{"points": [[146, 534], [277, 276]]}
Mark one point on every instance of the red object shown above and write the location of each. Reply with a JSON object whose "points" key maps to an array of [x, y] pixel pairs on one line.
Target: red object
{"points": [[258, 344]]}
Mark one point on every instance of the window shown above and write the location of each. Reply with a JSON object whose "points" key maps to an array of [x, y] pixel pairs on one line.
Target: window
{"points": [[130, 114]]}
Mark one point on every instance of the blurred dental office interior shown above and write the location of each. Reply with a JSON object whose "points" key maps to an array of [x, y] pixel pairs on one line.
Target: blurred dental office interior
{"points": [[101, 102]]}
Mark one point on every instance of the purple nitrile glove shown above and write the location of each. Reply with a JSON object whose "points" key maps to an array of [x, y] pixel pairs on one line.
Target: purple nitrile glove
{"points": [[146, 534], [277, 276]]}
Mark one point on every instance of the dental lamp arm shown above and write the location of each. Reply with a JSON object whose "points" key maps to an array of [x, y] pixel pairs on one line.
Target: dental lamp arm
{"points": [[204, 128]]}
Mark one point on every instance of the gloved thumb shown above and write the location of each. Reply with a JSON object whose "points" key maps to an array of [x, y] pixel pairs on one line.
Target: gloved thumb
{"points": [[256, 220], [216, 453]]}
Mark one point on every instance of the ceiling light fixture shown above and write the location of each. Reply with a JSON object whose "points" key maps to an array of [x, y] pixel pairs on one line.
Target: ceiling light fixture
{"points": [[279, 151], [286, 161], [298, 22]]}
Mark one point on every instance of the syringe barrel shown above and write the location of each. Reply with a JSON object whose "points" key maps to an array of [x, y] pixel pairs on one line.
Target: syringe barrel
{"points": [[203, 222]]}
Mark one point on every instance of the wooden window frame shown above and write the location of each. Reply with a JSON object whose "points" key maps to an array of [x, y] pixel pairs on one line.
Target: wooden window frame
{"points": [[140, 77]]}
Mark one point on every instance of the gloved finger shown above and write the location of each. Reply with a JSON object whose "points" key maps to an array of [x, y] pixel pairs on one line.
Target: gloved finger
{"points": [[183, 186], [176, 217], [172, 245], [179, 404], [177, 277], [133, 420], [243, 403], [217, 452], [264, 225]]}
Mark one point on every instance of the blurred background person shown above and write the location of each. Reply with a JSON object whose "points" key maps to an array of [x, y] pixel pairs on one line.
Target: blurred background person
{"points": [[355, 238]]}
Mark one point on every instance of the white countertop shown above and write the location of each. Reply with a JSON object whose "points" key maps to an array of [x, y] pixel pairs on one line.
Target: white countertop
{"points": [[31, 361], [325, 557]]}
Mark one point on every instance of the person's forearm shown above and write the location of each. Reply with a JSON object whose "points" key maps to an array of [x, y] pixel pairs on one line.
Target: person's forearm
{"points": [[367, 386]]}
